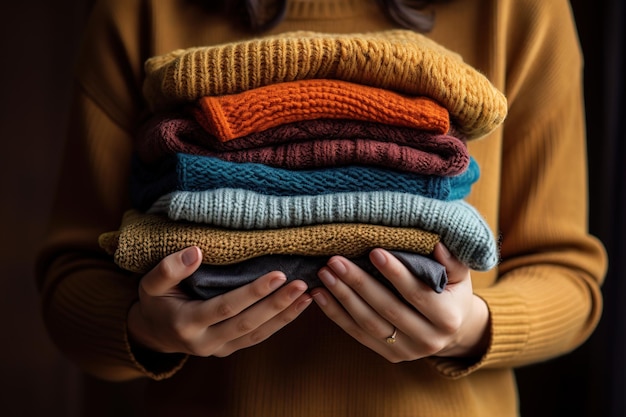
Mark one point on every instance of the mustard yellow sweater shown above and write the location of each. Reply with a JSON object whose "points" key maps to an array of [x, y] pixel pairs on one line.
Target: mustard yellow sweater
{"points": [[544, 297]]}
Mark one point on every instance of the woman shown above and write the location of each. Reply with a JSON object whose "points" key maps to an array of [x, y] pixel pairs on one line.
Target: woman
{"points": [[452, 353]]}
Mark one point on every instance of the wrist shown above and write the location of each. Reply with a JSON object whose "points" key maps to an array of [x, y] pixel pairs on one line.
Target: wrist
{"points": [[135, 332], [475, 337], [479, 335]]}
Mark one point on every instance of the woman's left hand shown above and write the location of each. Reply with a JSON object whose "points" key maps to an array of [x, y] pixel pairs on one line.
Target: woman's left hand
{"points": [[454, 323]]}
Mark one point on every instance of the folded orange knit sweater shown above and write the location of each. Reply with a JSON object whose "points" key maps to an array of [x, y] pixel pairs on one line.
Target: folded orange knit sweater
{"points": [[232, 116]]}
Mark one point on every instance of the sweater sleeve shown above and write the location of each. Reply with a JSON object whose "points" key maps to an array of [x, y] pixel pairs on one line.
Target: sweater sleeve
{"points": [[85, 296], [547, 299]]}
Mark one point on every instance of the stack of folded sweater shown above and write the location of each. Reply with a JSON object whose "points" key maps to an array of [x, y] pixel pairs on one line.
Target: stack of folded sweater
{"points": [[278, 152]]}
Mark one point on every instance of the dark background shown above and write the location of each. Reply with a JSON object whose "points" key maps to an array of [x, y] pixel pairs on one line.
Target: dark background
{"points": [[39, 41]]}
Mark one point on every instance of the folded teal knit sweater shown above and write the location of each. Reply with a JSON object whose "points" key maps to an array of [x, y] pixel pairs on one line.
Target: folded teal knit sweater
{"points": [[461, 228], [186, 172]]}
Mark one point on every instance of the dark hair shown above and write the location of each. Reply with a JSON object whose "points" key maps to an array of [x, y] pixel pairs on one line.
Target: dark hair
{"points": [[260, 15]]}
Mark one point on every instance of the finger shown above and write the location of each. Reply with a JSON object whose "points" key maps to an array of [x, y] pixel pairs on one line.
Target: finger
{"points": [[395, 352], [260, 312], [438, 309], [267, 329], [455, 269], [359, 310], [231, 303], [397, 273], [171, 271], [411, 315], [225, 331], [374, 293]]}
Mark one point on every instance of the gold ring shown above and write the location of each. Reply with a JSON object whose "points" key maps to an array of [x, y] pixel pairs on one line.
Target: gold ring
{"points": [[392, 339]]}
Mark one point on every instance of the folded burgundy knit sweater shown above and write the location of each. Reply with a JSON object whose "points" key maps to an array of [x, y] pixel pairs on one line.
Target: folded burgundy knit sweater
{"points": [[311, 144]]}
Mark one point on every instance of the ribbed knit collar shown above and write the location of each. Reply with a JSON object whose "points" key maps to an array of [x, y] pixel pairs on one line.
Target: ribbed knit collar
{"points": [[328, 9]]}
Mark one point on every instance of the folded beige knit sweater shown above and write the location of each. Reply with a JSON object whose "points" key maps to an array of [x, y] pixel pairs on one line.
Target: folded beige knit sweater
{"points": [[143, 240]]}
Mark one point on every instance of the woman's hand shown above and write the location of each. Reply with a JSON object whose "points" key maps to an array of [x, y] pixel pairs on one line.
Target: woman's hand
{"points": [[166, 320], [452, 323]]}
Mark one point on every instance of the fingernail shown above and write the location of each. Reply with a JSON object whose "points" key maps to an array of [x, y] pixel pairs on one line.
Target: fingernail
{"points": [[326, 277], [338, 267], [295, 293], [190, 256], [378, 257], [277, 282], [303, 304], [319, 298]]}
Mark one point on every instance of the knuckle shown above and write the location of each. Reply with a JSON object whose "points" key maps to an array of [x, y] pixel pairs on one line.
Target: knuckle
{"points": [[223, 352], [278, 303], [256, 336], [357, 281], [416, 296], [244, 326], [451, 325], [181, 329], [392, 314], [432, 346], [356, 331], [164, 268], [372, 327], [284, 318], [343, 297], [224, 310], [205, 349], [257, 290]]}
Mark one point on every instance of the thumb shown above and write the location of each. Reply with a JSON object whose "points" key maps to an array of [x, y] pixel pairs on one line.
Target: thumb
{"points": [[454, 267], [171, 271]]}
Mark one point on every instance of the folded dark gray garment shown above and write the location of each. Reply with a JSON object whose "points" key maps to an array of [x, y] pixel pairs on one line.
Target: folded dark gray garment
{"points": [[211, 280]]}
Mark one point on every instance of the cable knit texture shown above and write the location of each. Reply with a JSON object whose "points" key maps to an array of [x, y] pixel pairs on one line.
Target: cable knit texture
{"points": [[185, 172], [231, 116], [143, 240], [398, 60], [311, 144], [461, 228]]}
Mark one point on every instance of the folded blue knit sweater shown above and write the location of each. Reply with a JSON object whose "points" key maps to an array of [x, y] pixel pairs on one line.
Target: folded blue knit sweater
{"points": [[187, 172], [461, 228]]}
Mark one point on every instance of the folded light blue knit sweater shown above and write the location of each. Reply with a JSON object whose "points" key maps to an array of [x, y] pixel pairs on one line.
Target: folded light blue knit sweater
{"points": [[187, 172], [461, 227]]}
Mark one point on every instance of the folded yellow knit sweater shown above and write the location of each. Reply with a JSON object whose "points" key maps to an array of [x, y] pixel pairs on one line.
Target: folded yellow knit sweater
{"points": [[399, 60], [145, 239]]}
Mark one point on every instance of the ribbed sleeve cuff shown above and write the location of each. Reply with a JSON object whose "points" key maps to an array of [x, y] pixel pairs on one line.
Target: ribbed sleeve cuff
{"points": [[537, 313], [509, 329]]}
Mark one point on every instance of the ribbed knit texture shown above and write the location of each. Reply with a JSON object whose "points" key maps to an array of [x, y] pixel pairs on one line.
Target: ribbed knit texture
{"points": [[461, 228], [399, 60], [143, 240], [287, 146], [231, 116], [209, 281], [186, 172]]}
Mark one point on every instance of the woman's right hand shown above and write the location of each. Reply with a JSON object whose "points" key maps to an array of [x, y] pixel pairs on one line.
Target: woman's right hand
{"points": [[166, 320]]}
